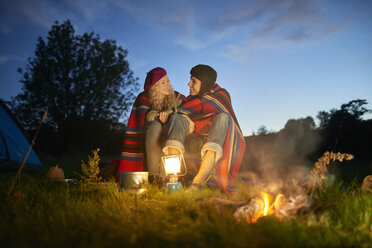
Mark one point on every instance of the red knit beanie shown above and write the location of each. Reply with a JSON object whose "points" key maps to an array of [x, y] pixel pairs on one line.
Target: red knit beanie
{"points": [[153, 76]]}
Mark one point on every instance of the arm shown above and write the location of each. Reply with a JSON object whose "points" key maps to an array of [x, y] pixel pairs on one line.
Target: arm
{"points": [[163, 115], [151, 115]]}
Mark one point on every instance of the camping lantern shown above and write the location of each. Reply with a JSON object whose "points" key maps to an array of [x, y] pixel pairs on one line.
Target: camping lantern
{"points": [[172, 165]]}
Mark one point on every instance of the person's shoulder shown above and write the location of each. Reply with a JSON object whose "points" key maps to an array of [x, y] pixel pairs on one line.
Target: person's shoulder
{"points": [[221, 93], [218, 89], [143, 94], [142, 99]]}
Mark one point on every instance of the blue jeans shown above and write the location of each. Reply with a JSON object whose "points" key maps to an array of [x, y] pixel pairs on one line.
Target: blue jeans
{"points": [[216, 136], [153, 148], [156, 134]]}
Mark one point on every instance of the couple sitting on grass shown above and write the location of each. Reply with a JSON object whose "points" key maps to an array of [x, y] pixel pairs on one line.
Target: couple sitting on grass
{"points": [[162, 119]]}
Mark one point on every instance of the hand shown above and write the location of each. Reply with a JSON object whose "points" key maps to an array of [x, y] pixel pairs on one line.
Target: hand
{"points": [[163, 115], [191, 124]]}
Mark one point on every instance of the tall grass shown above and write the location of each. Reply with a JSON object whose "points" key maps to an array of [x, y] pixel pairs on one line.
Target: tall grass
{"points": [[56, 214]]}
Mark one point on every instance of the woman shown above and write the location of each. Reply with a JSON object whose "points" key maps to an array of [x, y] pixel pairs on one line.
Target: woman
{"points": [[147, 120]]}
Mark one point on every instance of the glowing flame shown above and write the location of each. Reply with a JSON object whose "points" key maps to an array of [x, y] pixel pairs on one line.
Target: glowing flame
{"points": [[278, 203], [266, 206], [280, 207], [267, 209]]}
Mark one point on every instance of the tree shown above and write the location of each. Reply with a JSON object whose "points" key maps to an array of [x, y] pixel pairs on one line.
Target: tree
{"points": [[355, 108], [262, 130], [80, 78], [300, 125], [352, 111], [345, 130]]}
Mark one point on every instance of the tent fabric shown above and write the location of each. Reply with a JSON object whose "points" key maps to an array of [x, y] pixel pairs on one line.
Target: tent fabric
{"points": [[13, 142]]}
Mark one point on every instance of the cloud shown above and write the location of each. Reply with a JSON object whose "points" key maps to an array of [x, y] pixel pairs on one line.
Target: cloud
{"points": [[41, 13], [195, 24], [296, 21], [234, 14], [6, 58], [158, 12], [253, 24], [45, 13]]}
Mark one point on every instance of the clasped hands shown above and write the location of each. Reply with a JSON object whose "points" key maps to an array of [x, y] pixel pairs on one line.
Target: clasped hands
{"points": [[163, 115]]}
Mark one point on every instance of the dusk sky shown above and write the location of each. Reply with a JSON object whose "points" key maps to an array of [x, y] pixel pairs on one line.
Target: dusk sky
{"points": [[279, 59]]}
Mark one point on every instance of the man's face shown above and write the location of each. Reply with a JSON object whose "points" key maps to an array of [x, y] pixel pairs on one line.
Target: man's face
{"points": [[195, 85], [164, 85]]}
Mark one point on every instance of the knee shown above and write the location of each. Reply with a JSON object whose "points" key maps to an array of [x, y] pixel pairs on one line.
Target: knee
{"points": [[178, 120], [223, 117], [174, 117]]}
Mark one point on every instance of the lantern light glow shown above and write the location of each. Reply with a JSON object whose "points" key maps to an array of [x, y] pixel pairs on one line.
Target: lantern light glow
{"points": [[172, 164]]}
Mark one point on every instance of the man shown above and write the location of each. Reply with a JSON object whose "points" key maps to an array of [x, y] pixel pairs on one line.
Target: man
{"points": [[208, 112]]}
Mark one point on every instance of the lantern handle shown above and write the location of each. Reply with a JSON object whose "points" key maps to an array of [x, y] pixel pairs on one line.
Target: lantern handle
{"points": [[184, 165]]}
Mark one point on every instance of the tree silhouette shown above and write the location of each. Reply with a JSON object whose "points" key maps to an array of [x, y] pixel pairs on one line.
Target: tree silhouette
{"points": [[345, 130], [81, 79]]}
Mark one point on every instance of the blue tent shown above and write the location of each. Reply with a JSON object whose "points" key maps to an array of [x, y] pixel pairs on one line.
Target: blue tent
{"points": [[13, 143]]}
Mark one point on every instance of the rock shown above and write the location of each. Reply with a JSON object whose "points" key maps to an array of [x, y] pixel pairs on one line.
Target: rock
{"points": [[367, 184], [55, 173]]}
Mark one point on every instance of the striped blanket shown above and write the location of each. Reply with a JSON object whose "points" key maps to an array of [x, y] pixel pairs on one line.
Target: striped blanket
{"points": [[133, 154], [201, 111]]}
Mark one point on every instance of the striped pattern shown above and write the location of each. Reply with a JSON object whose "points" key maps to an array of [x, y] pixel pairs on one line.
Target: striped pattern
{"points": [[201, 111], [133, 153]]}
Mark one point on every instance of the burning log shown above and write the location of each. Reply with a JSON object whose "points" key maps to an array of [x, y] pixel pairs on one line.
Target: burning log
{"points": [[295, 198], [281, 207], [249, 212], [285, 207], [223, 204]]}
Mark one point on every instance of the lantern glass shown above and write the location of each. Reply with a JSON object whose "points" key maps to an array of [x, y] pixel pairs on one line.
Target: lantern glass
{"points": [[172, 164]]}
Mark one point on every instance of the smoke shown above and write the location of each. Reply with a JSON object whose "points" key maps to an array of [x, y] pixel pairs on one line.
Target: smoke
{"points": [[282, 156]]}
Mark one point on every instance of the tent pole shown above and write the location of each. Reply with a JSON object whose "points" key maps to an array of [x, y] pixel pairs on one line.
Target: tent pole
{"points": [[17, 177]]}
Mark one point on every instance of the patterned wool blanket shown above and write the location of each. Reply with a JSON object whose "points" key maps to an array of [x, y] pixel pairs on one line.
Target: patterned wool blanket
{"points": [[133, 153], [201, 111]]}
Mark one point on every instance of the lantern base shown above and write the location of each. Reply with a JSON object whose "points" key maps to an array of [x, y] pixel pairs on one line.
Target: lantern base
{"points": [[171, 187]]}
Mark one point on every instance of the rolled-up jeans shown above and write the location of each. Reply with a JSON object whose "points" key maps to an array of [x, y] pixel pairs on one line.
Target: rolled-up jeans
{"points": [[156, 134], [216, 136]]}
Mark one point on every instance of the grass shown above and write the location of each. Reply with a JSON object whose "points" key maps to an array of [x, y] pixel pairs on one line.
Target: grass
{"points": [[55, 214]]}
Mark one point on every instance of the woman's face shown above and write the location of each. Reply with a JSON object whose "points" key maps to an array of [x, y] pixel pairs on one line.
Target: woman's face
{"points": [[164, 85], [195, 85]]}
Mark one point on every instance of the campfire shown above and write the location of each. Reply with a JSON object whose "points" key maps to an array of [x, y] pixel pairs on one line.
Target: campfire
{"points": [[283, 205], [267, 205]]}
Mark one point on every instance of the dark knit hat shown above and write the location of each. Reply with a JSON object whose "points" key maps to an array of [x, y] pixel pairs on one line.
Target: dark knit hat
{"points": [[207, 75], [153, 76]]}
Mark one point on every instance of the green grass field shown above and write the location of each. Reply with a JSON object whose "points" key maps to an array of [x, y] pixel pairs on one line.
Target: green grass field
{"points": [[42, 213]]}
